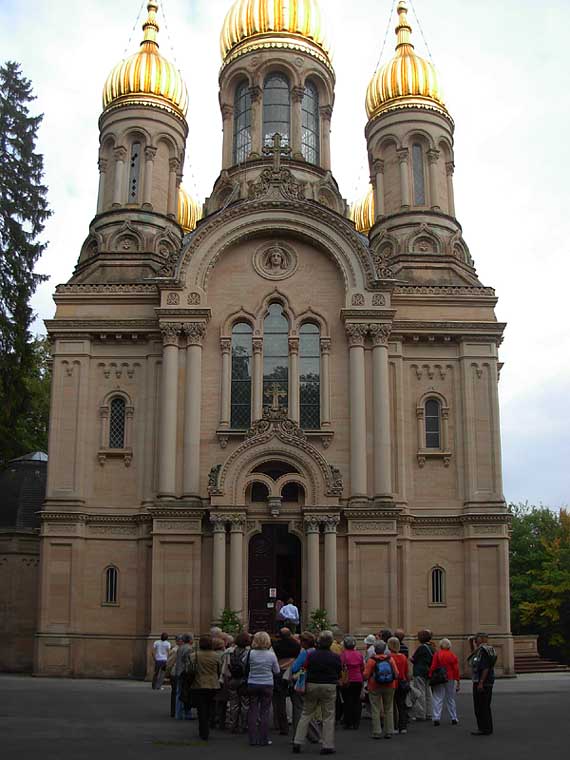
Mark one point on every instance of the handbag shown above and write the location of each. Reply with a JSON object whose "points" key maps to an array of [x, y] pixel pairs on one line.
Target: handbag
{"points": [[438, 677], [344, 679]]}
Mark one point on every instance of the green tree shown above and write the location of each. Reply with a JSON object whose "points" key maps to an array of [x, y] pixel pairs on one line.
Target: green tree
{"points": [[23, 213]]}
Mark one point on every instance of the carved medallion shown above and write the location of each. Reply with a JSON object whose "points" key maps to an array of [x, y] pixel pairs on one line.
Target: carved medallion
{"points": [[277, 261]]}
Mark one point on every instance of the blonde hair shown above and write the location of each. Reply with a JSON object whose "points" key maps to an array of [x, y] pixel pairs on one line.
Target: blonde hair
{"points": [[261, 640], [394, 644], [445, 644]]}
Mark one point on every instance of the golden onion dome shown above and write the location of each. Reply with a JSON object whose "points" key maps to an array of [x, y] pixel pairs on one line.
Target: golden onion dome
{"points": [[264, 24], [147, 78], [407, 81], [189, 211], [362, 212]]}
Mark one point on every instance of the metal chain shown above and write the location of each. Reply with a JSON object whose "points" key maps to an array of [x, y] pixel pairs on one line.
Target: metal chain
{"points": [[133, 30], [421, 31], [386, 35]]}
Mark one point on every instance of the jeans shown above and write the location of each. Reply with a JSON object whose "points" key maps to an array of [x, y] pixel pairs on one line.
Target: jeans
{"points": [[181, 712], [159, 673], [382, 696], [204, 701], [422, 709], [258, 715], [444, 695], [482, 705], [321, 695], [352, 704]]}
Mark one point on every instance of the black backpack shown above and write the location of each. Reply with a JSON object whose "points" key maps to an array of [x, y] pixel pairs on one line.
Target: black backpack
{"points": [[236, 664]]}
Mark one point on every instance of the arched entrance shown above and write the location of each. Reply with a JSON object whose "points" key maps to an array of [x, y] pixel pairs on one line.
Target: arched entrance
{"points": [[274, 563]]}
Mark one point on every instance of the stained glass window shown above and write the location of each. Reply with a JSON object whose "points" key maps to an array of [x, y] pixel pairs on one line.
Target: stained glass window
{"points": [[242, 123], [419, 175], [310, 377], [241, 376], [111, 585], [276, 108], [276, 358], [438, 586], [117, 424], [134, 172], [433, 424], [310, 138]]}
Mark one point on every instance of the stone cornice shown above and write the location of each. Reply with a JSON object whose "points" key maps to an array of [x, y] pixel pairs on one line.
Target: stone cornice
{"points": [[443, 290], [107, 293], [102, 327], [489, 330], [93, 519]]}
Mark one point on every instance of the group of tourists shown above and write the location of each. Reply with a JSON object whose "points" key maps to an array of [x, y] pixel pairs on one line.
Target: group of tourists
{"points": [[316, 682]]}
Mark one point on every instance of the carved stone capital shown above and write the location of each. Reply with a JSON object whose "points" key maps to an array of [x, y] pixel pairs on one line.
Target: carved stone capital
{"points": [[218, 523], [255, 93], [325, 346], [297, 94], [227, 111], [102, 164], [293, 345], [120, 153], [326, 112], [174, 164], [150, 153], [237, 523], [226, 345], [194, 332], [380, 334], [312, 524], [378, 166], [257, 345], [433, 156], [356, 334], [403, 155], [170, 333], [450, 168], [330, 523]]}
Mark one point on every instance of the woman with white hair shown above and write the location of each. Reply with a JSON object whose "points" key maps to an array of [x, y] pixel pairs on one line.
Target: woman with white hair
{"points": [[445, 682]]}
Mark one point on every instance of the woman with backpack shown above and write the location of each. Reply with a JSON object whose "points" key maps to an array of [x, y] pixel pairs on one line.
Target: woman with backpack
{"points": [[445, 682], [382, 675], [233, 674]]}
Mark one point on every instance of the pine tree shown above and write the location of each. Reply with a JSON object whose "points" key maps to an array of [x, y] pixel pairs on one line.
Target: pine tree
{"points": [[23, 213]]}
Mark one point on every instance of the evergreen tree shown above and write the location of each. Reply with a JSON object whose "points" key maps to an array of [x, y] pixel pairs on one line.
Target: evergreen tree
{"points": [[23, 213]]}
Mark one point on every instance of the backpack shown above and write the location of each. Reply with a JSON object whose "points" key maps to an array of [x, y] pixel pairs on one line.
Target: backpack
{"points": [[383, 672], [236, 665], [491, 653]]}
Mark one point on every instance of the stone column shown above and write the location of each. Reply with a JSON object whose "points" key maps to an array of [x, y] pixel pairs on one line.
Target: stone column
{"points": [[194, 332], [433, 162], [404, 178], [120, 156], [168, 411], [325, 382], [495, 429], [377, 180], [313, 565], [172, 208], [331, 524], [103, 164], [294, 379], [237, 529], [257, 378], [297, 94], [256, 94], [218, 566], [149, 156], [226, 410], [325, 151], [356, 334], [449, 169], [381, 399], [228, 136]]}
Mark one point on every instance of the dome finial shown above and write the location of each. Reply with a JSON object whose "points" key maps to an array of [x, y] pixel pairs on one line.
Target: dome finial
{"points": [[150, 26], [403, 30]]}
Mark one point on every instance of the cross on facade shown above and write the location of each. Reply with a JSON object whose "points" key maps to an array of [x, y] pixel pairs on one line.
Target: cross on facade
{"points": [[277, 393], [277, 150]]}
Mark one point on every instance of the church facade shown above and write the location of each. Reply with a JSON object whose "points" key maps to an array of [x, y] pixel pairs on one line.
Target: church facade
{"points": [[286, 396]]}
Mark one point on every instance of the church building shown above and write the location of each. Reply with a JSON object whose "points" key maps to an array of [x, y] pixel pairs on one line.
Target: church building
{"points": [[271, 394]]}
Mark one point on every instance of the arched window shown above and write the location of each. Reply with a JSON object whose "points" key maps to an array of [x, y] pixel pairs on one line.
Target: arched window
{"points": [[437, 591], [117, 423], [310, 377], [276, 108], [242, 123], [258, 492], [134, 172], [310, 138], [419, 175], [433, 424], [276, 359], [293, 493], [242, 336], [111, 585]]}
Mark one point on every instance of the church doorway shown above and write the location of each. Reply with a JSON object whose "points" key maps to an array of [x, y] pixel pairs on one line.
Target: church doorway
{"points": [[274, 568]]}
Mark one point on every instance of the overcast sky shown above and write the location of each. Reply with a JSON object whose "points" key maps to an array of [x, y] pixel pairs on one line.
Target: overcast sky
{"points": [[506, 79]]}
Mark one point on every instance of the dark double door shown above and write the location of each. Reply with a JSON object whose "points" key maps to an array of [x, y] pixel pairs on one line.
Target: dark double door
{"points": [[274, 563]]}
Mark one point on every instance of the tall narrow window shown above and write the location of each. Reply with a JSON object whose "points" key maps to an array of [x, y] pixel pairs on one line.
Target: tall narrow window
{"points": [[433, 424], [134, 173], [117, 423], [310, 377], [310, 138], [241, 376], [276, 108], [242, 123], [437, 586], [419, 175], [111, 585], [276, 359]]}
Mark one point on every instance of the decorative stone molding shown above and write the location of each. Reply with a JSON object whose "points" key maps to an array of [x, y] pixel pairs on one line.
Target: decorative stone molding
{"points": [[293, 345], [150, 153], [225, 345], [356, 334], [194, 333], [218, 523], [257, 345], [443, 290], [433, 156], [358, 300], [403, 155], [213, 480], [330, 523], [380, 334], [170, 333], [173, 299], [277, 261], [276, 185], [449, 168], [378, 300], [102, 165], [194, 299], [120, 153], [325, 345]]}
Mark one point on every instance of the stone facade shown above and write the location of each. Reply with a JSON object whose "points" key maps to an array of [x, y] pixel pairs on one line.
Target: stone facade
{"points": [[154, 495]]}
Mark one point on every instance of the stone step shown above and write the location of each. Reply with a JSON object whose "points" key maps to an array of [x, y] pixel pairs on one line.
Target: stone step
{"points": [[537, 664]]}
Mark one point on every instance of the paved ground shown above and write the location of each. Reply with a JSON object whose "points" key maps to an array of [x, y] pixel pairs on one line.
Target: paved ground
{"points": [[49, 719]]}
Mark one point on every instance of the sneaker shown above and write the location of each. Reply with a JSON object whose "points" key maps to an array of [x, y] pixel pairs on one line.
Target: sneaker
{"points": [[328, 751], [404, 731], [454, 722]]}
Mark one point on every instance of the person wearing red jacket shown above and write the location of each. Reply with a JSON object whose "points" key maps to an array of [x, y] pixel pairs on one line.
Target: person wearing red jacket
{"points": [[445, 660]]}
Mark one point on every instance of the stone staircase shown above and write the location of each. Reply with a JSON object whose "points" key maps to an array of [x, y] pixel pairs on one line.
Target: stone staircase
{"points": [[534, 663]]}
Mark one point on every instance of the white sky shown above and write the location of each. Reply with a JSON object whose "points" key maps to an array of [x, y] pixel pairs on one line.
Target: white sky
{"points": [[507, 83]]}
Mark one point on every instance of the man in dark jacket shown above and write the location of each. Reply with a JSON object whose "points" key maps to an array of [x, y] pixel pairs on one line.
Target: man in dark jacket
{"points": [[286, 649], [482, 660]]}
